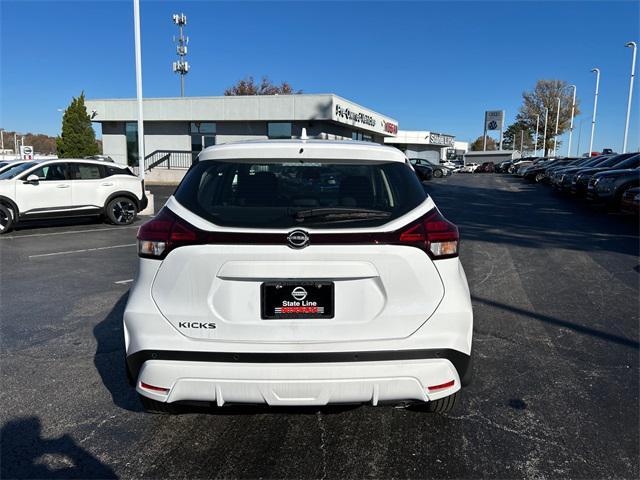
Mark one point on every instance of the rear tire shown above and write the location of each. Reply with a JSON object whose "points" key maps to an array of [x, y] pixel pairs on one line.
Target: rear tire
{"points": [[155, 407], [121, 211], [6, 219], [437, 173], [442, 405]]}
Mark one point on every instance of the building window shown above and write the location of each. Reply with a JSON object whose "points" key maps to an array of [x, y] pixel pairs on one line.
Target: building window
{"points": [[279, 129], [203, 135], [131, 131], [367, 138]]}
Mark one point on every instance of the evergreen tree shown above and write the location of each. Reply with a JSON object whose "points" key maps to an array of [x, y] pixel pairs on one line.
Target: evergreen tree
{"points": [[78, 139]]}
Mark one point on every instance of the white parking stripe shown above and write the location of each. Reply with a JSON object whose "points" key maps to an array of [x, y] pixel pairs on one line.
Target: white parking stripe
{"points": [[124, 282], [82, 251], [13, 237]]}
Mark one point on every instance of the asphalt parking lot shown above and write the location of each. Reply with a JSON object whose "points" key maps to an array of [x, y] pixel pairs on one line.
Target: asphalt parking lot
{"points": [[555, 394]]}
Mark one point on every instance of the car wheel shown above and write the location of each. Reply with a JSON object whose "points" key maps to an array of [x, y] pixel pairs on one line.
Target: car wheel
{"points": [[6, 219], [121, 211], [539, 177], [437, 173], [153, 406]]}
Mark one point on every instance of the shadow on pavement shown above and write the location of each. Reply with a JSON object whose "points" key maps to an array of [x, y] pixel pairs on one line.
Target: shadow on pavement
{"points": [[626, 342], [109, 358], [25, 452]]}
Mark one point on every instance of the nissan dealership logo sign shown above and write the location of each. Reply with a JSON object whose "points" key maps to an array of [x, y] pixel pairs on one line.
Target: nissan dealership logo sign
{"points": [[390, 127]]}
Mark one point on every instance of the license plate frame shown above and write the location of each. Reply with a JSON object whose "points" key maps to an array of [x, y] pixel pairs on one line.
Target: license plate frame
{"points": [[274, 294]]}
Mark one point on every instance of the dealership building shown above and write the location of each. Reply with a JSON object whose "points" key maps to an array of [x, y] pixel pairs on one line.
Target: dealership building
{"points": [[177, 129]]}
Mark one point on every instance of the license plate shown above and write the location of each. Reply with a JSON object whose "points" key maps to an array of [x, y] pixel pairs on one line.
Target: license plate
{"points": [[281, 300]]}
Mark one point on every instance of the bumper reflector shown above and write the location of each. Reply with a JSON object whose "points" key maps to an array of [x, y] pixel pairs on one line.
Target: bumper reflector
{"points": [[433, 388], [152, 388]]}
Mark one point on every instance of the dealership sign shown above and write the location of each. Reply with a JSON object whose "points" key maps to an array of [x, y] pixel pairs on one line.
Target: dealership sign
{"points": [[439, 139], [493, 119], [351, 114]]}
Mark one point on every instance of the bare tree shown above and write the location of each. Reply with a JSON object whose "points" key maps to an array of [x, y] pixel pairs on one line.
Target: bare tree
{"points": [[248, 86], [545, 95]]}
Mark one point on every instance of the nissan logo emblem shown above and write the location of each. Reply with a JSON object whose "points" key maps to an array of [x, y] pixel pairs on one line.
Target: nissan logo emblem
{"points": [[298, 239], [299, 293]]}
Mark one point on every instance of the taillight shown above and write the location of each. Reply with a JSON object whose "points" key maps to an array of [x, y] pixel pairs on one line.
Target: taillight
{"points": [[163, 233], [434, 234]]}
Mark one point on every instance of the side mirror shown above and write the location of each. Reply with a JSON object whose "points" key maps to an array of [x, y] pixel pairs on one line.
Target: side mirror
{"points": [[32, 179]]}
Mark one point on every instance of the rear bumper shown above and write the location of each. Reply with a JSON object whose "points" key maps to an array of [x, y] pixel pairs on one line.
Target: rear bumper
{"points": [[144, 202], [306, 383]]}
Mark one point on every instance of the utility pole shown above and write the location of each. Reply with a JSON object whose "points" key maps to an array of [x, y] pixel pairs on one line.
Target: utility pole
{"points": [[573, 109], [181, 66], [633, 74], [522, 142], [595, 108], [15, 143]]}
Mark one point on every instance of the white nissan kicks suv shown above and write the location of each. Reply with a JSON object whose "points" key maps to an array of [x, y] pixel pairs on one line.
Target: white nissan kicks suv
{"points": [[299, 273], [69, 188]]}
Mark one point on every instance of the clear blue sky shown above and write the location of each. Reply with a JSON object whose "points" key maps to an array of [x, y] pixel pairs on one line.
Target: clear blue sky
{"points": [[431, 65]]}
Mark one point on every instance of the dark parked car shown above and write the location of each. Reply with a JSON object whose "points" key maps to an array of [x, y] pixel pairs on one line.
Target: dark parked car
{"points": [[581, 178], [608, 187], [486, 167], [537, 172], [630, 202], [437, 170], [503, 167], [561, 179], [423, 172]]}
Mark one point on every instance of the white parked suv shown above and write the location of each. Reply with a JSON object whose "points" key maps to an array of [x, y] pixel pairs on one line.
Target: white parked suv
{"points": [[299, 273], [69, 188]]}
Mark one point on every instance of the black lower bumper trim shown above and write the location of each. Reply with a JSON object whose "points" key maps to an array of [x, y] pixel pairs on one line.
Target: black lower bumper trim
{"points": [[461, 361]]}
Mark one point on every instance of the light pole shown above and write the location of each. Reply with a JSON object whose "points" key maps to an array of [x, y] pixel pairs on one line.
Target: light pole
{"points": [[136, 28], [544, 135], [555, 137], [633, 74], [579, 137], [522, 141], [595, 108], [15, 143], [537, 125], [573, 109]]}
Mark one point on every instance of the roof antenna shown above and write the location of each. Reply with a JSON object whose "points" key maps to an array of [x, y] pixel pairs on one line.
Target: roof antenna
{"points": [[303, 135]]}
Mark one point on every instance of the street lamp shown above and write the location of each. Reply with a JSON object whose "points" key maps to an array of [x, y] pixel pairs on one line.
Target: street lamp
{"points": [[633, 74], [537, 125], [544, 136], [136, 28], [595, 108], [555, 137], [573, 109]]}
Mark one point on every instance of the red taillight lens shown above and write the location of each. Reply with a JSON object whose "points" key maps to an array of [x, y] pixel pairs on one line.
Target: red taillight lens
{"points": [[434, 234], [163, 233]]}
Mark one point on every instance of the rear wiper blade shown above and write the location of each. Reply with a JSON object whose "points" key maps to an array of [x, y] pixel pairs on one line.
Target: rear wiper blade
{"points": [[340, 213]]}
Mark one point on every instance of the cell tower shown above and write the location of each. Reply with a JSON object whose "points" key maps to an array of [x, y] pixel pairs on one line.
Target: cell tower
{"points": [[181, 66]]}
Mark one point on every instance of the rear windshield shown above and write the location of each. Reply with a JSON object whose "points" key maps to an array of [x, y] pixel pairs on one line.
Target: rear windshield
{"points": [[285, 194]]}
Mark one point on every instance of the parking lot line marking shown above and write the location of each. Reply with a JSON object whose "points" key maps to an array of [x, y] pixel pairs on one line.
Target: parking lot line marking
{"points": [[68, 252], [13, 237], [124, 282]]}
